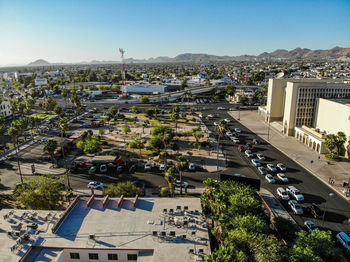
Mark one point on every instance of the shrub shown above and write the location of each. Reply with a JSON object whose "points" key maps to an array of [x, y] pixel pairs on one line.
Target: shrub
{"points": [[165, 192]]}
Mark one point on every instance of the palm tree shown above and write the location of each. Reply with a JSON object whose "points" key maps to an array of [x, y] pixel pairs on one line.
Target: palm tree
{"points": [[220, 130], [175, 117], [15, 131], [181, 166], [171, 178], [50, 147], [64, 127]]}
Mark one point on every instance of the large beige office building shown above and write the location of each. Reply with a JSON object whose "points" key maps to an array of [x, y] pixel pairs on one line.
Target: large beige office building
{"points": [[309, 109]]}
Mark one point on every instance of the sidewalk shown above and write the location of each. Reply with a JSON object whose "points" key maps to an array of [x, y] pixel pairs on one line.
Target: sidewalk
{"points": [[338, 171]]}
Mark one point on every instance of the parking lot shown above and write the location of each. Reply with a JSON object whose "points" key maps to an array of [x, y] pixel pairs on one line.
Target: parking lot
{"points": [[313, 190]]}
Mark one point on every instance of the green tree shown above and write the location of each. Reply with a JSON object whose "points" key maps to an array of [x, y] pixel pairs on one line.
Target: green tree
{"points": [[220, 130], [145, 124], [315, 247], [243, 99], [59, 111], [125, 189], [2, 128], [181, 166], [144, 99], [15, 131], [170, 177], [137, 143], [227, 254], [175, 117], [126, 129], [337, 141], [230, 90], [150, 112], [135, 110], [63, 126], [50, 147], [42, 193], [91, 145], [101, 132], [183, 84], [49, 104]]}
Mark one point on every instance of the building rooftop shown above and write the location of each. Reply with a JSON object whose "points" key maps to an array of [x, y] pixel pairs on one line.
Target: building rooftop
{"points": [[170, 228], [343, 101]]}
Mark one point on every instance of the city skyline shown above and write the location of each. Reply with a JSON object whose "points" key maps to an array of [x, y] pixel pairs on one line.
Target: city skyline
{"points": [[75, 32]]}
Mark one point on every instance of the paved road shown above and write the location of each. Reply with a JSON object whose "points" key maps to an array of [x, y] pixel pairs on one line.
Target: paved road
{"points": [[337, 208]]}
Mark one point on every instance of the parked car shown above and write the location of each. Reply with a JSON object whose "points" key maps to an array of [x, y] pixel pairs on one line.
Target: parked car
{"points": [[237, 130], [262, 170], [148, 166], [256, 162], [311, 226], [271, 167], [294, 192], [236, 141], [282, 167], [216, 124], [260, 157], [282, 177], [95, 185], [248, 153], [120, 168], [221, 108], [294, 205], [162, 167], [270, 179], [344, 240], [282, 193], [315, 211], [192, 167], [229, 134], [178, 184], [256, 141], [240, 148], [227, 120], [103, 168], [93, 170], [249, 145], [44, 140], [233, 109]]}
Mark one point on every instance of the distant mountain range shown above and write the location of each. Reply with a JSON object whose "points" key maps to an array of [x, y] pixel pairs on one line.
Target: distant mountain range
{"points": [[336, 53]]}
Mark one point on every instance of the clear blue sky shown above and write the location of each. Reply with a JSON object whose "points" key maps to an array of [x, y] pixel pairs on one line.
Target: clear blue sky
{"points": [[83, 30]]}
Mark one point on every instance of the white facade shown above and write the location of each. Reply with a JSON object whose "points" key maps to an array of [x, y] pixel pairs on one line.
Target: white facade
{"points": [[5, 108], [40, 81], [144, 89]]}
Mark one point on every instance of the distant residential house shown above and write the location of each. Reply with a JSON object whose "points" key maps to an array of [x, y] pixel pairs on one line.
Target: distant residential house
{"points": [[40, 81]]}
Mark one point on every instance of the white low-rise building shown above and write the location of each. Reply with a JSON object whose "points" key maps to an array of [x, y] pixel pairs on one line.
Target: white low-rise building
{"points": [[5, 108]]}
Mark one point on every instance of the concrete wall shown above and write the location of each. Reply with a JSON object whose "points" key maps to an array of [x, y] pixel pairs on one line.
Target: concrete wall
{"points": [[102, 254], [275, 98], [333, 117], [290, 109]]}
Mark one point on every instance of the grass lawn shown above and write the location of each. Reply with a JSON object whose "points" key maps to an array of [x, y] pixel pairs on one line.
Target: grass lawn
{"points": [[44, 115]]}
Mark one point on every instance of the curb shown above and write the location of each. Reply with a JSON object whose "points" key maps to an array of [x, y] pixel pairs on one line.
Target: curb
{"points": [[296, 161]]}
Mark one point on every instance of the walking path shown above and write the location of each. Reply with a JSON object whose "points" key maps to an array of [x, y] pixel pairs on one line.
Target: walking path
{"points": [[310, 160]]}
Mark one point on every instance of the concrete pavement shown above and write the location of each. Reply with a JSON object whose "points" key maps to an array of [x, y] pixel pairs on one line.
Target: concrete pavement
{"points": [[319, 167]]}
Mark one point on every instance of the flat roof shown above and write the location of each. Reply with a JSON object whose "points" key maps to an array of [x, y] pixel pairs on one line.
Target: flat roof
{"points": [[128, 227]]}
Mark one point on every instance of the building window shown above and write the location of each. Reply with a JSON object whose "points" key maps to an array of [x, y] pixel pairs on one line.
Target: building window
{"points": [[93, 256], [74, 256], [132, 257], [112, 256]]}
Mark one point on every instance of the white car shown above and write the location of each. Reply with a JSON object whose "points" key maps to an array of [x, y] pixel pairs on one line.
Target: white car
{"points": [[260, 157], [256, 162], [162, 167], [178, 184], [148, 167], [271, 167], [248, 153], [221, 108], [282, 167], [282, 177], [210, 116], [216, 124], [236, 141], [262, 170], [237, 130], [95, 185], [294, 192], [227, 120], [228, 133], [282, 193], [270, 179], [294, 205], [192, 167]]}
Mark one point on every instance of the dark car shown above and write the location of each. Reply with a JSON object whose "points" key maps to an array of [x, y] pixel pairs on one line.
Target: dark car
{"points": [[249, 145], [256, 141], [315, 211]]}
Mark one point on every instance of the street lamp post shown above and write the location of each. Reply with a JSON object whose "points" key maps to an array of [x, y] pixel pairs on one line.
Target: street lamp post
{"points": [[325, 206]]}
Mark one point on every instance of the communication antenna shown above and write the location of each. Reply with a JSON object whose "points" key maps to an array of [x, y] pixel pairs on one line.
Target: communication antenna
{"points": [[121, 50]]}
